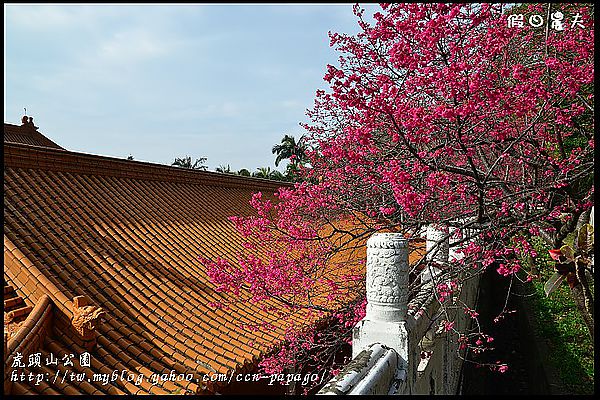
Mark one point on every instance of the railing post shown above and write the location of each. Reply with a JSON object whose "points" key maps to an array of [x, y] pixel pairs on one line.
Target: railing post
{"points": [[385, 347], [387, 297], [387, 277], [437, 247]]}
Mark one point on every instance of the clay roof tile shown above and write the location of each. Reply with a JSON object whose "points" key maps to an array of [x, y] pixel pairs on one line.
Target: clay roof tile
{"points": [[127, 234]]}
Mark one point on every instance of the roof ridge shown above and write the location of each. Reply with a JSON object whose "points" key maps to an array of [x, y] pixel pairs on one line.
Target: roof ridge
{"points": [[18, 155]]}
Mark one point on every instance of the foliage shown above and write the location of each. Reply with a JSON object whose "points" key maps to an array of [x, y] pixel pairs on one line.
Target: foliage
{"points": [[291, 150], [295, 152], [571, 257], [436, 114], [276, 176], [224, 169], [262, 172], [186, 162], [562, 327], [574, 263], [267, 173]]}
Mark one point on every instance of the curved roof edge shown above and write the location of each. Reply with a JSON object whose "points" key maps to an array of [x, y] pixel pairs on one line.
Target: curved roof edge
{"points": [[26, 338]]}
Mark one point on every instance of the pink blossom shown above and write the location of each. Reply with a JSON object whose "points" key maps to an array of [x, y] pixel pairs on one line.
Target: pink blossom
{"points": [[408, 133], [448, 325]]}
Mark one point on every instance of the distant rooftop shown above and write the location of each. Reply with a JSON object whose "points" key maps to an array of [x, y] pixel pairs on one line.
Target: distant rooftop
{"points": [[27, 133]]}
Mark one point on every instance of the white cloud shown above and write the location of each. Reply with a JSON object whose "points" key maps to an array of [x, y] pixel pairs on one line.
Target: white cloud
{"points": [[38, 17], [102, 45], [113, 61], [45, 17], [132, 46]]}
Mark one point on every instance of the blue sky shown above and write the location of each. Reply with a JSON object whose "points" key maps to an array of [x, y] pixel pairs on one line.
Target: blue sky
{"points": [[220, 81]]}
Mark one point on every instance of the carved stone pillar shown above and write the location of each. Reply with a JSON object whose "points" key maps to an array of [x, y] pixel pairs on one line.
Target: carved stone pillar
{"points": [[387, 277], [438, 248], [387, 297]]}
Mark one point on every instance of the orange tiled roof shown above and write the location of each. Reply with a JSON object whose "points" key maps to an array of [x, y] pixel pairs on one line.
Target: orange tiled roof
{"points": [[27, 134], [127, 235]]}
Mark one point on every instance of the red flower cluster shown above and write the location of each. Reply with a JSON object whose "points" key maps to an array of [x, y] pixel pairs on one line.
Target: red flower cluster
{"points": [[436, 113]]}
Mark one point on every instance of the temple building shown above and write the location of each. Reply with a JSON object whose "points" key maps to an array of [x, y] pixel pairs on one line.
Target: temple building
{"points": [[101, 255], [101, 274]]}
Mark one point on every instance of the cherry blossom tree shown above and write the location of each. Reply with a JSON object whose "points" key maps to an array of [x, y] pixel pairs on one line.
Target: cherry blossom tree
{"points": [[436, 114]]}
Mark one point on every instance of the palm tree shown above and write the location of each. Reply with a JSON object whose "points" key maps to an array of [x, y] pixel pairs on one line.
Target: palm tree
{"points": [[289, 149], [186, 162], [277, 176], [224, 169], [263, 172]]}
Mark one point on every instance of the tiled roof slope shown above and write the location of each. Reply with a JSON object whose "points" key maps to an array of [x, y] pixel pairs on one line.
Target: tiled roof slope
{"points": [[27, 134], [127, 235]]}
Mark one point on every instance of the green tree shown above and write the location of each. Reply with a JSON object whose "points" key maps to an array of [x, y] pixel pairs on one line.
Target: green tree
{"points": [[224, 169], [244, 172], [292, 173], [291, 150], [277, 176], [186, 162], [262, 172]]}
